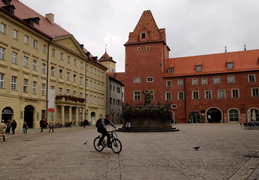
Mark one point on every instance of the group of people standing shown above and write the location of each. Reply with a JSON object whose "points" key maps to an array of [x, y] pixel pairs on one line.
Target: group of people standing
{"points": [[44, 124], [7, 127]]}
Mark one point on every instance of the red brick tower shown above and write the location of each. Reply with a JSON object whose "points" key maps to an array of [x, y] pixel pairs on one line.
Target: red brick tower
{"points": [[146, 52]]}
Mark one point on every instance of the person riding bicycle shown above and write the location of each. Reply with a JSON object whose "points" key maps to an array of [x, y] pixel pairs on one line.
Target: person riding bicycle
{"points": [[101, 128]]}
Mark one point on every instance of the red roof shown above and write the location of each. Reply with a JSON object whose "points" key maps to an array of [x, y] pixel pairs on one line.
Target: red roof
{"points": [[214, 63]]}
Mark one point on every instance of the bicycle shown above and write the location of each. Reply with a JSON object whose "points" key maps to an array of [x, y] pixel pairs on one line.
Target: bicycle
{"points": [[116, 145]]}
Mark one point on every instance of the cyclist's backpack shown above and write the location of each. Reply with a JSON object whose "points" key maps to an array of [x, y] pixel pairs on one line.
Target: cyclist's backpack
{"points": [[98, 123]]}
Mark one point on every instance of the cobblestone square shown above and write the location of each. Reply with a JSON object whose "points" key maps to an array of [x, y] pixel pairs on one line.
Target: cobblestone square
{"points": [[226, 152]]}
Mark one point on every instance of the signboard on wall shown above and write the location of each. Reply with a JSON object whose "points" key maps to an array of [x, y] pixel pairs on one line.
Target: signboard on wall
{"points": [[51, 100]]}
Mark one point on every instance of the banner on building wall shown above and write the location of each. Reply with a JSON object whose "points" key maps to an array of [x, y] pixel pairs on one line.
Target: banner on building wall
{"points": [[51, 100]]}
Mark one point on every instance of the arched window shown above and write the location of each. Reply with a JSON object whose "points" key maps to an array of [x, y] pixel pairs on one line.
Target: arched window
{"points": [[233, 115]]}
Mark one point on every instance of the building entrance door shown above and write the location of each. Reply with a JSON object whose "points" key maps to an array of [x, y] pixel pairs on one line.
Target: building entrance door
{"points": [[28, 115], [7, 114], [214, 115]]}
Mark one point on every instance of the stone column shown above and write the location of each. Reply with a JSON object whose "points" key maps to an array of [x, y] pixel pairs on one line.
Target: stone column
{"points": [[62, 115], [70, 114], [77, 115]]}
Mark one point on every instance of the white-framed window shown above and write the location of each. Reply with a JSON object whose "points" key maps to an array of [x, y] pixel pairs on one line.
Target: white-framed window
{"points": [[208, 94], [81, 80], [168, 83], [137, 95], [194, 81], [138, 48], [52, 71], [15, 34], [74, 78], [251, 78], [61, 55], [68, 76], [14, 57], [195, 95], [255, 92], [26, 61], [14, 83], [60, 91], [25, 85], [148, 48], [74, 62], [44, 48], [204, 81], [216, 80], [137, 80], [235, 93], [60, 74], [35, 43], [231, 79], [26, 39], [34, 65], [168, 96], [150, 79], [81, 95], [1, 80], [180, 95], [67, 92], [74, 93], [3, 28], [151, 92], [53, 52], [180, 82], [86, 82], [43, 89], [222, 94], [81, 66], [2, 53], [44, 68], [34, 87]]}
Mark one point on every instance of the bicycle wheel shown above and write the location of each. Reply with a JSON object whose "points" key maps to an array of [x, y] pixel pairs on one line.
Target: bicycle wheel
{"points": [[116, 146], [97, 146]]}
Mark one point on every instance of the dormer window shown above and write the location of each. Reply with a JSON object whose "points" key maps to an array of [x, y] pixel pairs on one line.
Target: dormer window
{"points": [[198, 68], [170, 70], [230, 65], [143, 35]]}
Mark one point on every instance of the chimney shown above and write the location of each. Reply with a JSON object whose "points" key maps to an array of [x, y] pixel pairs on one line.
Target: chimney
{"points": [[50, 17]]}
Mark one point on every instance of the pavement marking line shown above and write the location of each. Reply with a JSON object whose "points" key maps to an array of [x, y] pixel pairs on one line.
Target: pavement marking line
{"points": [[180, 166]]}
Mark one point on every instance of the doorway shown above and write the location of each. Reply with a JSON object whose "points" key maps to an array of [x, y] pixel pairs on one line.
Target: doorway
{"points": [[7, 114], [214, 115], [28, 115]]}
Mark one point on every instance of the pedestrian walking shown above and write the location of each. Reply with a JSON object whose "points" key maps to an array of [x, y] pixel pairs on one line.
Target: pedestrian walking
{"points": [[51, 125], [8, 128], [2, 129], [25, 127], [41, 125], [14, 125]]}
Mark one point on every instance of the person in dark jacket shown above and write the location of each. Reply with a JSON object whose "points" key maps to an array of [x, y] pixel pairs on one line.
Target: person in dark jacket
{"points": [[101, 128], [14, 125]]}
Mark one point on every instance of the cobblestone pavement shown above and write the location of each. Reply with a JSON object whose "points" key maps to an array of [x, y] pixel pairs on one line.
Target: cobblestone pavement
{"points": [[226, 152]]}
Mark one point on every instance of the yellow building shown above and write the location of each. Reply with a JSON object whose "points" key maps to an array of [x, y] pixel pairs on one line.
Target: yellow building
{"points": [[44, 70]]}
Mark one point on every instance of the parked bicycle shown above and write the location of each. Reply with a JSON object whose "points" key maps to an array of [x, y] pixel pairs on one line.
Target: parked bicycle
{"points": [[116, 145]]}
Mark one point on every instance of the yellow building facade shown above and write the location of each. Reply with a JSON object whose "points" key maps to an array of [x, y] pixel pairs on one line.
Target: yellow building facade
{"points": [[45, 72]]}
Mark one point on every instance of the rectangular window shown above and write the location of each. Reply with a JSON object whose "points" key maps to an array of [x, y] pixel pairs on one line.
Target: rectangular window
{"points": [[25, 85], [81, 81], [170, 70], [44, 66], [231, 79], [2, 53], [221, 94], [60, 74], [208, 94], [168, 96], [204, 81], [230, 65], [34, 87], [194, 81], [25, 61], [217, 80], [15, 34], [52, 71], [75, 62], [168, 83], [137, 96], [44, 48], [43, 89], [251, 78], [74, 78], [180, 95], [255, 92], [195, 95], [68, 59], [74, 93], [1, 80], [14, 57], [198, 68], [61, 56], [34, 65], [180, 82], [60, 91], [14, 83], [35, 43], [67, 92], [53, 53], [235, 93], [26, 39], [3, 28], [68, 76]]}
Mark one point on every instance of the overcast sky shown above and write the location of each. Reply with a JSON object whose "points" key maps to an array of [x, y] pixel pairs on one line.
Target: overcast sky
{"points": [[193, 27]]}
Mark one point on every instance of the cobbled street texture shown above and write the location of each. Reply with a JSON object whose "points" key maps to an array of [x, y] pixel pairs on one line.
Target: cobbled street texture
{"points": [[226, 152]]}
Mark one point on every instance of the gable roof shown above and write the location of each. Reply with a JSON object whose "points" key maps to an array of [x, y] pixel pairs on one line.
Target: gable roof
{"points": [[214, 63], [146, 24], [106, 57]]}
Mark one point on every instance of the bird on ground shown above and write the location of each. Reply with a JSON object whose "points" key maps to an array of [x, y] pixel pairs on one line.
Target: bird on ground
{"points": [[85, 142], [196, 148]]}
